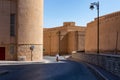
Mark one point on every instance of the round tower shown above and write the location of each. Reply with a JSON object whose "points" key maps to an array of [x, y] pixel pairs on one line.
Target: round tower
{"points": [[30, 30]]}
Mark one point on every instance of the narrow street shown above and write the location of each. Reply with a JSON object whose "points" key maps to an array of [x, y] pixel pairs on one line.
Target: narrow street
{"points": [[52, 70]]}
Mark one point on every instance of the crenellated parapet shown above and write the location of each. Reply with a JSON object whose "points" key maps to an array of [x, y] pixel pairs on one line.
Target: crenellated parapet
{"points": [[108, 17], [69, 24]]}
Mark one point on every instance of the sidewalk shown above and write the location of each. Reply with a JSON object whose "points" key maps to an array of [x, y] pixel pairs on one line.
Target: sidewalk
{"points": [[46, 59], [52, 59], [18, 62]]}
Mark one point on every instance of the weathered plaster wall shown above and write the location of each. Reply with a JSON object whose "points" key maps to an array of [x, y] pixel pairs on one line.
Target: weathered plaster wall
{"points": [[108, 28], [30, 28]]}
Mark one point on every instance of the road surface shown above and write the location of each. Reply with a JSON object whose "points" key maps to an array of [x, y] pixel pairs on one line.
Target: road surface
{"points": [[63, 70]]}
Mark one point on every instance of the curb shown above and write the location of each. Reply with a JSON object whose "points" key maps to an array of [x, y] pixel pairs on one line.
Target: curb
{"points": [[95, 71]]}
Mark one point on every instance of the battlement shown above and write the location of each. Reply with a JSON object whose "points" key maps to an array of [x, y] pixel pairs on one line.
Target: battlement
{"points": [[67, 24], [108, 17]]}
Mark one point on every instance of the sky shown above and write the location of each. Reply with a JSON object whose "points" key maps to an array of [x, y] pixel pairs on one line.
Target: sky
{"points": [[58, 11]]}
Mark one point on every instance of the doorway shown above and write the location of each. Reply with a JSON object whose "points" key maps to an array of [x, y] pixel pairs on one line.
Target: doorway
{"points": [[2, 53]]}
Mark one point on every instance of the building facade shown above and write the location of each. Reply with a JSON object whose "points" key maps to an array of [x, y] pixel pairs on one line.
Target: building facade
{"points": [[109, 34], [64, 39], [20, 24]]}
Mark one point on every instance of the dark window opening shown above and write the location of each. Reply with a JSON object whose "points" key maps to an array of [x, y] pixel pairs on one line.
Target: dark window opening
{"points": [[12, 25]]}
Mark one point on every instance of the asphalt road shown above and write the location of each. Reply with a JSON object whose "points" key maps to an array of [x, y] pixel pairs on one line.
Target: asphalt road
{"points": [[65, 70]]}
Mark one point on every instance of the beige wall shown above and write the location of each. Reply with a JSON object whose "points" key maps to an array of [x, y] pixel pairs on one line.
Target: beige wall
{"points": [[28, 28], [63, 39], [63, 42], [76, 41], [72, 41], [81, 40], [4, 22], [51, 42], [6, 8], [109, 26], [29, 22]]}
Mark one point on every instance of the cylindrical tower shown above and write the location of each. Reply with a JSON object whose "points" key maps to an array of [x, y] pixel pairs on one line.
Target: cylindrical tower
{"points": [[29, 29]]}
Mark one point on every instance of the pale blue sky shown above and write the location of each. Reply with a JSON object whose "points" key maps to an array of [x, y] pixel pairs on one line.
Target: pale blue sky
{"points": [[58, 11]]}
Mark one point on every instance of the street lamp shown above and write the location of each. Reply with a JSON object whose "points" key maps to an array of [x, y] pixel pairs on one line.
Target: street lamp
{"points": [[92, 7]]}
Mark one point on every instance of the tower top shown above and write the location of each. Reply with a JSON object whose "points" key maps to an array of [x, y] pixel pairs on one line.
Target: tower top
{"points": [[67, 24]]}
